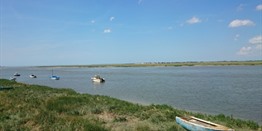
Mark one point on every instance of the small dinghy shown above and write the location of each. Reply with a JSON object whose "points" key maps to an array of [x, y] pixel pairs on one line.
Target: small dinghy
{"points": [[32, 76], [12, 78], [195, 124]]}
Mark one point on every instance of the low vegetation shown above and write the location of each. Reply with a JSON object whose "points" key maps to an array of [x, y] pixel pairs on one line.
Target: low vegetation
{"points": [[34, 107], [175, 64]]}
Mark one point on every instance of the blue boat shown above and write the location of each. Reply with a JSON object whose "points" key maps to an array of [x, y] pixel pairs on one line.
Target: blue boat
{"points": [[53, 77], [195, 124]]}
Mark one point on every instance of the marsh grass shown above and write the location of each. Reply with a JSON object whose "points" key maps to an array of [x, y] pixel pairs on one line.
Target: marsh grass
{"points": [[34, 107], [175, 64]]}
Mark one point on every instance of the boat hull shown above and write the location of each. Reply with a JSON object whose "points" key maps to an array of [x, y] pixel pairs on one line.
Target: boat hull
{"points": [[16, 74], [196, 124], [98, 80], [32, 76], [12, 78], [54, 77]]}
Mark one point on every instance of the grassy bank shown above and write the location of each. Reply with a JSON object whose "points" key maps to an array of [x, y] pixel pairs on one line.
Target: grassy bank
{"points": [[34, 107], [152, 64]]}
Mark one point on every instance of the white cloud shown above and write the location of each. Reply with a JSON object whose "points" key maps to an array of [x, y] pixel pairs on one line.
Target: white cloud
{"points": [[193, 20], [254, 47], [259, 7], [245, 50], [256, 40], [238, 23], [107, 31], [112, 18]]}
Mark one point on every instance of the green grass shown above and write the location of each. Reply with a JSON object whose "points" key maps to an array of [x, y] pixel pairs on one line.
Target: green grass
{"points": [[34, 107]]}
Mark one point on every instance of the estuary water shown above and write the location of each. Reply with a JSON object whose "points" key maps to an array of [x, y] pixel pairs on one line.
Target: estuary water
{"points": [[231, 90]]}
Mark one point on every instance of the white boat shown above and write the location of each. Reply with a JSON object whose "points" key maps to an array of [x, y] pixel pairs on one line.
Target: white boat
{"points": [[195, 124], [16, 74], [32, 76], [54, 77], [98, 79], [12, 78]]}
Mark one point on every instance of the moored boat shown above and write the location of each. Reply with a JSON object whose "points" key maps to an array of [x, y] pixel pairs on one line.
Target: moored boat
{"points": [[16, 74], [195, 124], [98, 79], [32, 76], [12, 78], [54, 77]]}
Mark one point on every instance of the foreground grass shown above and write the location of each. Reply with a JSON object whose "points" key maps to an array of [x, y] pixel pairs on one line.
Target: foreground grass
{"points": [[34, 107]]}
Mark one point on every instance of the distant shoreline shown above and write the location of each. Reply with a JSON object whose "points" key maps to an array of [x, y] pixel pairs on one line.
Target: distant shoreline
{"points": [[169, 64]]}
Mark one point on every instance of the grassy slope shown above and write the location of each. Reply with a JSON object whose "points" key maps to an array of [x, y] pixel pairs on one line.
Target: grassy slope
{"points": [[33, 107]]}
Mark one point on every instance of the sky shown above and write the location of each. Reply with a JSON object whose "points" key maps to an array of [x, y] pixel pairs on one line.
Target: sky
{"points": [[84, 32]]}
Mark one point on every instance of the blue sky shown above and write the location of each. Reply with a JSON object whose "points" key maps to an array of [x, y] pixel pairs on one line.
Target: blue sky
{"points": [[72, 32]]}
